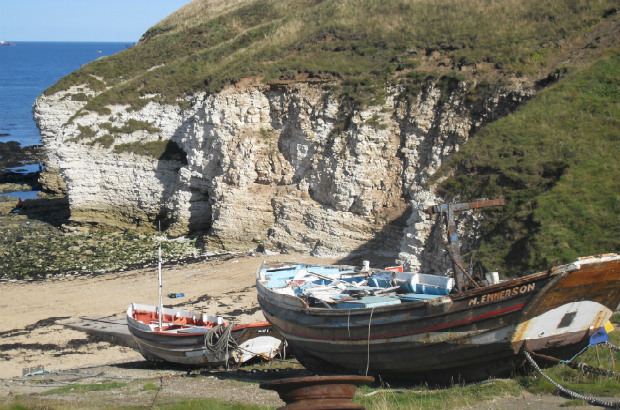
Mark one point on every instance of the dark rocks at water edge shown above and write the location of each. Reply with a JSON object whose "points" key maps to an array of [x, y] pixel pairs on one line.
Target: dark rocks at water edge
{"points": [[41, 242], [12, 154]]}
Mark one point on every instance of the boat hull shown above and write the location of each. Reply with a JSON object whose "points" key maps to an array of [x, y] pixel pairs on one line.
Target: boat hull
{"points": [[471, 336], [187, 345]]}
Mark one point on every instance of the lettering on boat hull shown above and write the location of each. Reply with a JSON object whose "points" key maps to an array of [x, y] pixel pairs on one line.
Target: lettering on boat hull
{"points": [[504, 294]]}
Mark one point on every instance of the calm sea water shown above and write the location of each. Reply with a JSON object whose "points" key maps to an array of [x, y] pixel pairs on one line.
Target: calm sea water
{"points": [[27, 69]]}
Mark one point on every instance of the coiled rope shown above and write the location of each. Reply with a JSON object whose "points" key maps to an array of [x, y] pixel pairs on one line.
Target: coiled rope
{"points": [[590, 400], [219, 342]]}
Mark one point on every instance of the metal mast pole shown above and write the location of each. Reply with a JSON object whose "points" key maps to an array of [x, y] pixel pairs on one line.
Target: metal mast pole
{"points": [[161, 307]]}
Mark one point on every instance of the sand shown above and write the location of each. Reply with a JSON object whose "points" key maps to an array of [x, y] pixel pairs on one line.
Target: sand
{"points": [[31, 334]]}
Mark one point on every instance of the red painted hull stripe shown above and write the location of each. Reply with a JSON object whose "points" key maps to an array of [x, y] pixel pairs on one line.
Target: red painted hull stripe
{"points": [[486, 315], [429, 329]]}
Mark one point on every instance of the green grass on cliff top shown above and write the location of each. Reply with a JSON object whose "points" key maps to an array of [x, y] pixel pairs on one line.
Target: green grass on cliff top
{"points": [[207, 45], [557, 163]]}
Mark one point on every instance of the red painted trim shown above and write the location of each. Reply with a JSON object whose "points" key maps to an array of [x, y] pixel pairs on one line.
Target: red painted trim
{"points": [[486, 315], [429, 329], [247, 325]]}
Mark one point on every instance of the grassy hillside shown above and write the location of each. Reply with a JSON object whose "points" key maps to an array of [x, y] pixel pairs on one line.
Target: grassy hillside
{"points": [[555, 161], [367, 44]]}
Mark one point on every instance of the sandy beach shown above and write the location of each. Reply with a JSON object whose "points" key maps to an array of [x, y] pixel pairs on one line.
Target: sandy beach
{"points": [[31, 311], [32, 334]]}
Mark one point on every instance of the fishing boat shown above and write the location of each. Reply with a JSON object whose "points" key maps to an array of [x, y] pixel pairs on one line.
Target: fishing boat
{"points": [[433, 328], [196, 339]]}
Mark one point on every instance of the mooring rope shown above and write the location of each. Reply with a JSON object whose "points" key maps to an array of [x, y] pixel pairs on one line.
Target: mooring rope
{"points": [[586, 368], [590, 400], [612, 347], [349, 324], [368, 351], [161, 387], [218, 340]]}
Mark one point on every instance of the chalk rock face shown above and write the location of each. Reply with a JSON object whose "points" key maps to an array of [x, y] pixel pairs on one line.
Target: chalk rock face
{"points": [[285, 169]]}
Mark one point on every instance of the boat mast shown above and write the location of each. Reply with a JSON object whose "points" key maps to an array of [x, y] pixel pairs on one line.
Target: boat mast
{"points": [[461, 276], [161, 307]]}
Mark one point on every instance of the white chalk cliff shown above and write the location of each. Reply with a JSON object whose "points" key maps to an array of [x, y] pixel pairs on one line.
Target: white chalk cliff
{"points": [[283, 169]]}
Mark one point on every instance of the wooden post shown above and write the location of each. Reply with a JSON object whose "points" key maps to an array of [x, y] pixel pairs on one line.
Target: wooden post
{"points": [[461, 276]]}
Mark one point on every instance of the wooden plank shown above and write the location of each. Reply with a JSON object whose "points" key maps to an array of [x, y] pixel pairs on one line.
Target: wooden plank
{"points": [[109, 329]]}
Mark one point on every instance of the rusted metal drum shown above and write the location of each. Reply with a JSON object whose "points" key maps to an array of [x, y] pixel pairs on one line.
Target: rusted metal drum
{"points": [[318, 392]]}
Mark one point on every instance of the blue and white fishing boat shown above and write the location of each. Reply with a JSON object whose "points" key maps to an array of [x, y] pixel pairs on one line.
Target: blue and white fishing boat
{"points": [[433, 328]]}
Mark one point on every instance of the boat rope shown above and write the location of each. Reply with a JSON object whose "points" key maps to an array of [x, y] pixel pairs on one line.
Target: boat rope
{"points": [[585, 368], [349, 324], [580, 352], [161, 387], [590, 400], [612, 347], [368, 351], [464, 270], [218, 340]]}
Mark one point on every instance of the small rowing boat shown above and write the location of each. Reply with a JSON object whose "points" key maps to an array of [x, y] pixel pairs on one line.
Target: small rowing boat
{"points": [[196, 339]]}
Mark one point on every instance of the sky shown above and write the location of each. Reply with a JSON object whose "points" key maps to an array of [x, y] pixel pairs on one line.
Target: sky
{"points": [[81, 20]]}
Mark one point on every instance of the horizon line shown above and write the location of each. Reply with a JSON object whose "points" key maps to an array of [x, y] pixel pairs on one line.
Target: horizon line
{"points": [[69, 41]]}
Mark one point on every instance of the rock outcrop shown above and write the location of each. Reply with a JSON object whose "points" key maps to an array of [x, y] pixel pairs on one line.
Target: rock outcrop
{"points": [[285, 169]]}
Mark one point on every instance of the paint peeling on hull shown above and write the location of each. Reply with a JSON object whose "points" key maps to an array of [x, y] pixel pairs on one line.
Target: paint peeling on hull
{"points": [[471, 335]]}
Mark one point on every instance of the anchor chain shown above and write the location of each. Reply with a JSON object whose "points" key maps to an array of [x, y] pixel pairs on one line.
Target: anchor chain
{"points": [[590, 400]]}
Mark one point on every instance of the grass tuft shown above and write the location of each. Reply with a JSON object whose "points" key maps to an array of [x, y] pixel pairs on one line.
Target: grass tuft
{"points": [[82, 388]]}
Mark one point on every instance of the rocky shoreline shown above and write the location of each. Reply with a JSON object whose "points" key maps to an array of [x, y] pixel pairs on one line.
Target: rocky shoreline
{"points": [[12, 157], [40, 241]]}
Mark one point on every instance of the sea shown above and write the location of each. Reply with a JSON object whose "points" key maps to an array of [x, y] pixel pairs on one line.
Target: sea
{"points": [[26, 70]]}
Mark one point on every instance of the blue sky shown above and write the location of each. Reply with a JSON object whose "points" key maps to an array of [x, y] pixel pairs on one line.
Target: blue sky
{"points": [[81, 20]]}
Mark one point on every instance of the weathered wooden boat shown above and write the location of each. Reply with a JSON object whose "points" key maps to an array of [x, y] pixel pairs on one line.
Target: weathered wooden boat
{"points": [[405, 325], [196, 339]]}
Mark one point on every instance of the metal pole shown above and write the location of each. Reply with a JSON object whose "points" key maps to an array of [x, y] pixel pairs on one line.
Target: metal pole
{"points": [[161, 307]]}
